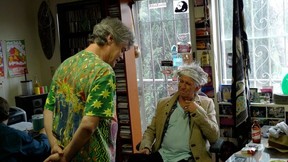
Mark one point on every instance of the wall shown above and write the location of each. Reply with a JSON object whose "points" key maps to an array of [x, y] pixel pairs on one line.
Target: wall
{"points": [[19, 21]]}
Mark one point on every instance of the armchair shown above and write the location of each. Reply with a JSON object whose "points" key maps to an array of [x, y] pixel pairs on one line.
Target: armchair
{"points": [[216, 149]]}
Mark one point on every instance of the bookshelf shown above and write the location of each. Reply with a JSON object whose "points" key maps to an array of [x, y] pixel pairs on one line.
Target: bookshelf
{"points": [[203, 42], [129, 121], [76, 21], [128, 113]]}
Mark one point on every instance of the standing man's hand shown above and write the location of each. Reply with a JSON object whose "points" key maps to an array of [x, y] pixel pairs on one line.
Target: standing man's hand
{"points": [[56, 158], [56, 149]]}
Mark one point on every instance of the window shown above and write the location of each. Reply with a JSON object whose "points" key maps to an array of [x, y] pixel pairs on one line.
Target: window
{"points": [[160, 29], [267, 30]]}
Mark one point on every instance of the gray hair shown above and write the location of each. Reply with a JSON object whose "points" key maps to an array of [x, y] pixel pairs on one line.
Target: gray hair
{"points": [[193, 71], [111, 26]]}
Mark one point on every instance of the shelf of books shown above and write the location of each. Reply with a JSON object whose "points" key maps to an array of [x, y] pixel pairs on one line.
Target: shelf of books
{"points": [[76, 22], [128, 115]]}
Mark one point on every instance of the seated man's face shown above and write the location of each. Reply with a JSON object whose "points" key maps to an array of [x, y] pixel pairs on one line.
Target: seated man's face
{"points": [[179, 5]]}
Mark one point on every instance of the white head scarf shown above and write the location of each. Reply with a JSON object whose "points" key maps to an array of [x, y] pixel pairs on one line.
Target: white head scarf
{"points": [[193, 71]]}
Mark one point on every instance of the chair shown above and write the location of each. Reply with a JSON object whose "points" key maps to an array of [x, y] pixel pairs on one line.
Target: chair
{"points": [[215, 149], [16, 115]]}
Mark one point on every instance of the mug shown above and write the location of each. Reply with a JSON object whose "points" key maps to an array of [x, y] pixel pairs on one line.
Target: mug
{"points": [[38, 122]]}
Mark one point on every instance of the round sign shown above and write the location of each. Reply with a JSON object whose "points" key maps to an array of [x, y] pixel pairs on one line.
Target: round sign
{"points": [[46, 29]]}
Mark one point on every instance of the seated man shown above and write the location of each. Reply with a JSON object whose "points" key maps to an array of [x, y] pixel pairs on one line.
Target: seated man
{"points": [[184, 124], [16, 145]]}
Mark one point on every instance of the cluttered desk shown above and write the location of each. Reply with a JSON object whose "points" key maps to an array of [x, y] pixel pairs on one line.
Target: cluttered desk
{"points": [[272, 148], [264, 153]]}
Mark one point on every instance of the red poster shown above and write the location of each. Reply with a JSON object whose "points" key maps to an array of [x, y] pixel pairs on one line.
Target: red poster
{"points": [[16, 57]]}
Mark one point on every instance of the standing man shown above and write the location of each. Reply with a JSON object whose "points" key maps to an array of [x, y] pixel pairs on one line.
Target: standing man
{"points": [[79, 115]]}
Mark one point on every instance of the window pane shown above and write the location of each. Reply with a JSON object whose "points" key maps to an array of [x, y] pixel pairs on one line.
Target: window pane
{"points": [[266, 27], [159, 31]]}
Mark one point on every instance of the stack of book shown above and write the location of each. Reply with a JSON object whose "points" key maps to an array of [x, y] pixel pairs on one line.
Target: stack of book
{"points": [[125, 132]]}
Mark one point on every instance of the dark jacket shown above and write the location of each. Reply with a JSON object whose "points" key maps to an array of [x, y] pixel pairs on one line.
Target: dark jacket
{"points": [[17, 146]]}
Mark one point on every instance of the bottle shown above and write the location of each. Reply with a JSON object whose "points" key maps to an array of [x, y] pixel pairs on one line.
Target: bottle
{"points": [[205, 59], [256, 132], [36, 86], [36, 82]]}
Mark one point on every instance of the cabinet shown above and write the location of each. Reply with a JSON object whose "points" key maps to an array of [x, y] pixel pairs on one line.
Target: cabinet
{"points": [[203, 42], [76, 21], [32, 104], [267, 114]]}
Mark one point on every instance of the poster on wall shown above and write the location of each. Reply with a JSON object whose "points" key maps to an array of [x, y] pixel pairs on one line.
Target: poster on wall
{"points": [[1, 61], [181, 7], [16, 57]]}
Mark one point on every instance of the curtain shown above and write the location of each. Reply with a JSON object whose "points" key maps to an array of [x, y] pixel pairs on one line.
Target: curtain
{"points": [[240, 66]]}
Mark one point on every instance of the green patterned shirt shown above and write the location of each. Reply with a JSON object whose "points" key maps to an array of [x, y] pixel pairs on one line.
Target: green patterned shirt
{"points": [[84, 85]]}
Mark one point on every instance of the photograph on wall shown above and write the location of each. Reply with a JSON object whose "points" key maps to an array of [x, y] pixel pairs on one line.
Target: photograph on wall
{"points": [[259, 112], [275, 112], [16, 57], [1, 60], [181, 7]]}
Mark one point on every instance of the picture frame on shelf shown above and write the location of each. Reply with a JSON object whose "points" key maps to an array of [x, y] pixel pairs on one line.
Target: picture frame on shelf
{"points": [[225, 92], [258, 112], [253, 94], [226, 132], [225, 109], [276, 112]]}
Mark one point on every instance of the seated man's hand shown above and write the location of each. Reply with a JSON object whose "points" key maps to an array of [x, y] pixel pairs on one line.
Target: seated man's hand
{"points": [[42, 131], [145, 151]]}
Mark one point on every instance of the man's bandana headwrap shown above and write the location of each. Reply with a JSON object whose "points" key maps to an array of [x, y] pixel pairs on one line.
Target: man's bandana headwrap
{"points": [[193, 71]]}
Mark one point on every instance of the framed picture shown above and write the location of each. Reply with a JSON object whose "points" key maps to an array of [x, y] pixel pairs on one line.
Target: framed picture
{"points": [[253, 94], [226, 132], [275, 112], [225, 92], [225, 109], [259, 112]]}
